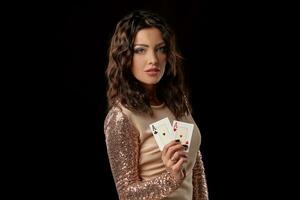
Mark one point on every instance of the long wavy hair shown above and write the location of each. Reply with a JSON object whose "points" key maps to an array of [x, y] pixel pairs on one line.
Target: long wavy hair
{"points": [[124, 88]]}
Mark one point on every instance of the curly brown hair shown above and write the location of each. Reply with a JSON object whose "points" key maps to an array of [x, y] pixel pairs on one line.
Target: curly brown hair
{"points": [[124, 88]]}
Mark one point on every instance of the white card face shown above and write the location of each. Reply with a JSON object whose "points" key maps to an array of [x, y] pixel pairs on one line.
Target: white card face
{"points": [[183, 131], [162, 132]]}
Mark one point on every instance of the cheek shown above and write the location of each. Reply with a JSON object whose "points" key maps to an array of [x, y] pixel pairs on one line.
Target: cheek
{"points": [[138, 61], [163, 59], [163, 62], [137, 66]]}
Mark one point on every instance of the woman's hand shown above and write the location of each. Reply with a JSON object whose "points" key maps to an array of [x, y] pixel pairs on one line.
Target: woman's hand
{"points": [[174, 156]]}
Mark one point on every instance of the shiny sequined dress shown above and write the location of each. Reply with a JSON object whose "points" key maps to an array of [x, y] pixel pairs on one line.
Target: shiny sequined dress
{"points": [[136, 163]]}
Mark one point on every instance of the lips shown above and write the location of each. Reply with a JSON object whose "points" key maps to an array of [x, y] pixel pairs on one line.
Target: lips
{"points": [[152, 70]]}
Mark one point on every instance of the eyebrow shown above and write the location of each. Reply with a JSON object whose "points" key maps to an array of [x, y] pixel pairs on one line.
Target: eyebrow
{"points": [[145, 45]]}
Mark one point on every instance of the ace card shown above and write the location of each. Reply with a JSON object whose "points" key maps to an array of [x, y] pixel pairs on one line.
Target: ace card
{"points": [[162, 132], [183, 131]]}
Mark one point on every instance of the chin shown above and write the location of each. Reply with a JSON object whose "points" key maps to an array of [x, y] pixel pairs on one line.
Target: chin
{"points": [[150, 83]]}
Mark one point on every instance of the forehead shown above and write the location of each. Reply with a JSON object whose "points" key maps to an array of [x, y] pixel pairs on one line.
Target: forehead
{"points": [[148, 36]]}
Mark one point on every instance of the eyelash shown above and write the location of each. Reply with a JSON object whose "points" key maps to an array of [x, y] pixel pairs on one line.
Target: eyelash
{"points": [[142, 50], [163, 49], [139, 50]]}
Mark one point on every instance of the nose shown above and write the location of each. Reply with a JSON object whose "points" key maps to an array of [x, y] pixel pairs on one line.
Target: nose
{"points": [[152, 58]]}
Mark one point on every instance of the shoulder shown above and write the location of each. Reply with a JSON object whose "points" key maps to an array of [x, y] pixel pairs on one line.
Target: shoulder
{"points": [[118, 124], [117, 115]]}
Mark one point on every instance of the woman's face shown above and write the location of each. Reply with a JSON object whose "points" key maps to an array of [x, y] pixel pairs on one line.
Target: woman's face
{"points": [[149, 58]]}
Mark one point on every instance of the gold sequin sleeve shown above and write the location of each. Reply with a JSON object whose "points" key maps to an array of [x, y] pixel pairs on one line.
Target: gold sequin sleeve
{"points": [[122, 142], [199, 180]]}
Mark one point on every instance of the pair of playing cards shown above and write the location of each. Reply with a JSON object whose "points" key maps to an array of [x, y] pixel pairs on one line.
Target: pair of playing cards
{"points": [[164, 133]]}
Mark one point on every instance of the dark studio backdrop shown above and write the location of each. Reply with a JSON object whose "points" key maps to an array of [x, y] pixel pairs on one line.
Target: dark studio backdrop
{"points": [[83, 34], [56, 95]]}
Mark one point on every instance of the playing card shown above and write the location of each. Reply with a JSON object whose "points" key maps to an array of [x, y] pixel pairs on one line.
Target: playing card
{"points": [[183, 131], [162, 132]]}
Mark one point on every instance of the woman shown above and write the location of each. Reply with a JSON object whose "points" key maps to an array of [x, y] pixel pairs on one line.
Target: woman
{"points": [[145, 84]]}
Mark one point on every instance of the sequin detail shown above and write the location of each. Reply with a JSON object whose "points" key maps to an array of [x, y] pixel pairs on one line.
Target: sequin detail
{"points": [[122, 142], [200, 191]]}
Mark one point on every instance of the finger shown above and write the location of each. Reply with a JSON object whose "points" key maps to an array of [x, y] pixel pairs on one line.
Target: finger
{"points": [[166, 147], [185, 146], [177, 155], [182, 154], [171, 150], [178, 166]]}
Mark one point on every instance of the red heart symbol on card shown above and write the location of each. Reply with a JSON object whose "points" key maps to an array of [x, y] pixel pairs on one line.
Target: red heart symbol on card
{"points": [[187, 142]]}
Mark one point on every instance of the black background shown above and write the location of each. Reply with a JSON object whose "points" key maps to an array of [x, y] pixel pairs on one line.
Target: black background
{"points": [[54, 58]]}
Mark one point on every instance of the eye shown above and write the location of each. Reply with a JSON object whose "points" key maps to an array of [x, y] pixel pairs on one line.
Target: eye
{"points": [[139, 50], [162, 49]]}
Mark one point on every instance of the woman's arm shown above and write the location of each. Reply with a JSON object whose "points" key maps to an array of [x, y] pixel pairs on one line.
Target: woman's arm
{"points": [[199, 180], [122, 142]]}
